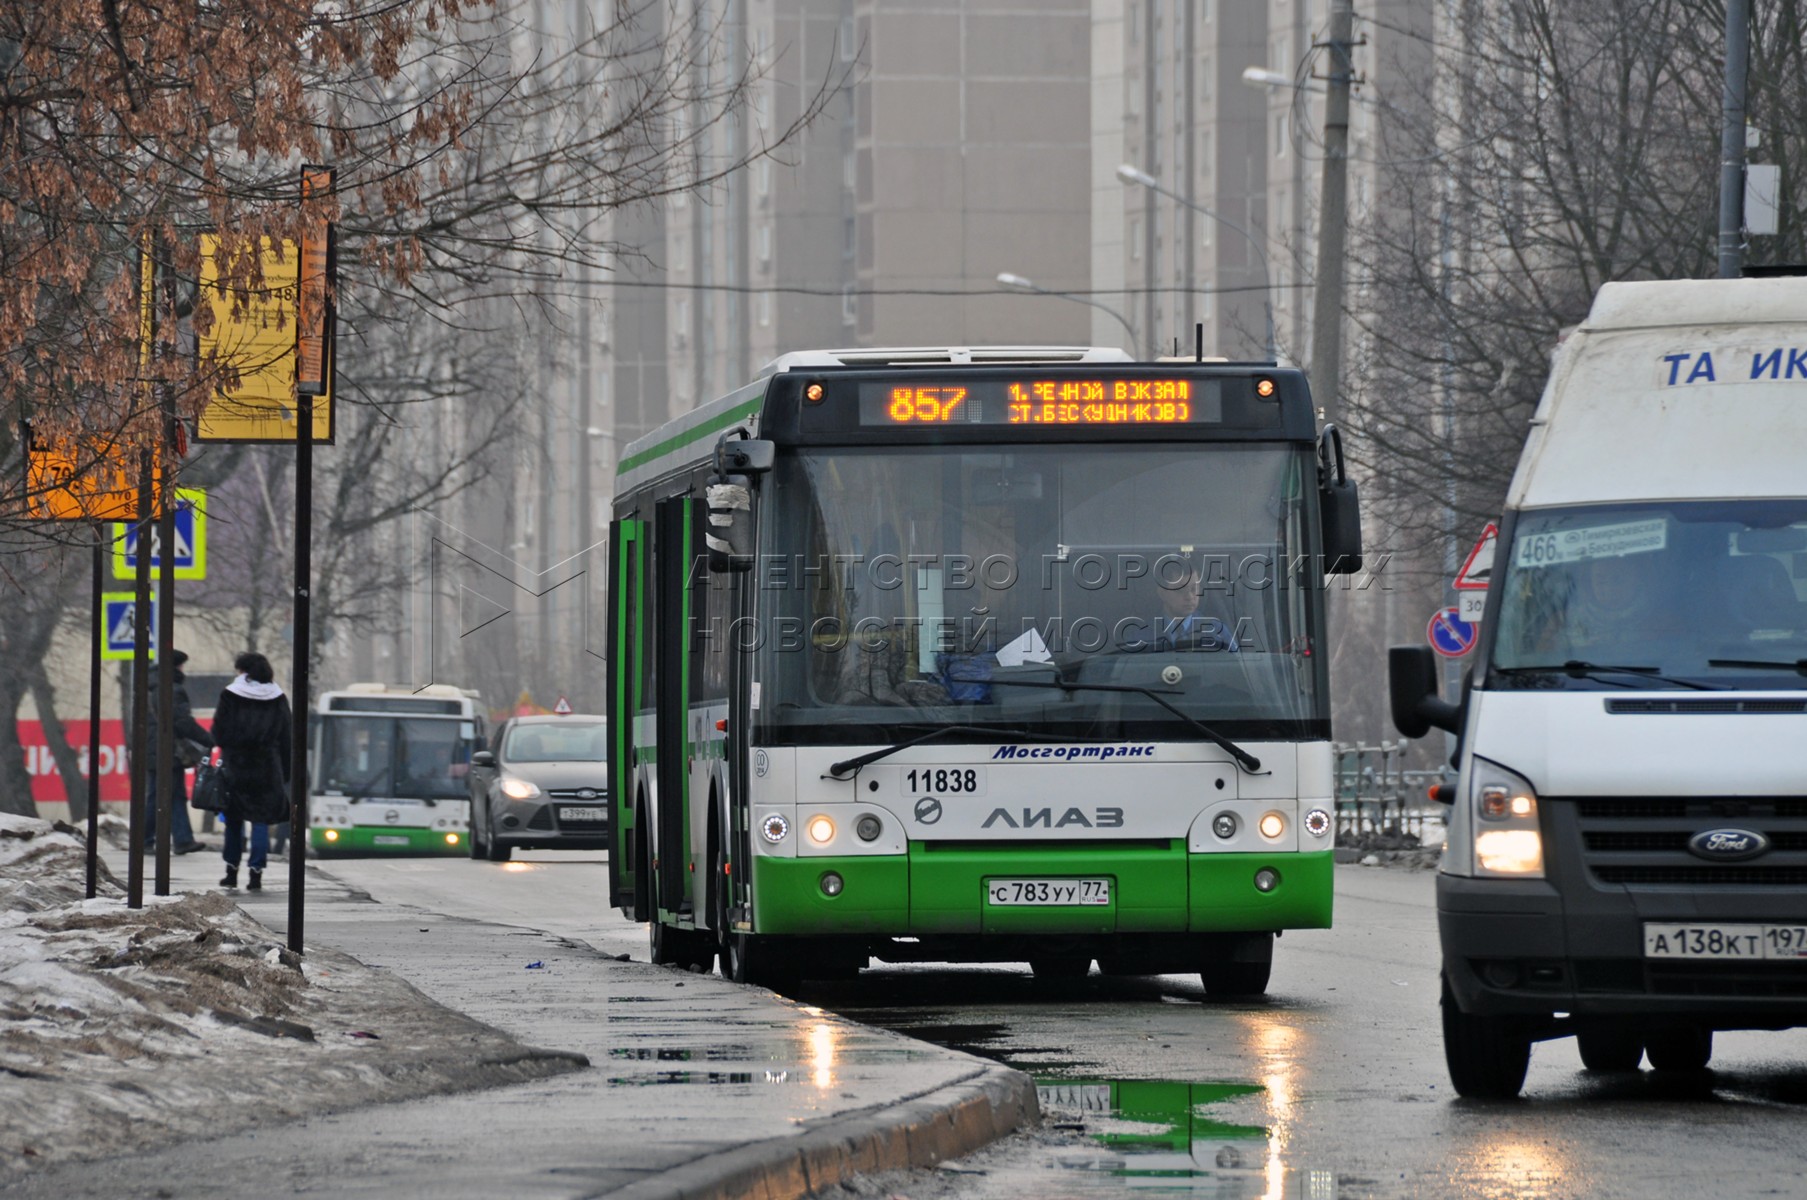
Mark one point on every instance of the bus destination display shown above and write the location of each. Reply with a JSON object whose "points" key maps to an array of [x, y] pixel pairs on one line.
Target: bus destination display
{"points": [[1062, 401]]}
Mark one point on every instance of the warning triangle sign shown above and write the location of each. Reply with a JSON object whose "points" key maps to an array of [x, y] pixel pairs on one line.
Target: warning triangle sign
{"points": [[563, 707], [1477, 569]]}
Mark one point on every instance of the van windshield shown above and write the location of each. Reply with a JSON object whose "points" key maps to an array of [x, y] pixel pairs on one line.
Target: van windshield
{"points": [[1713, 591]]}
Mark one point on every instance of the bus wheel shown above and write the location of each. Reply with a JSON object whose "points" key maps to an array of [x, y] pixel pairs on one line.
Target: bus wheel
{"points": [[673, 947], [1487, 1056], [1610, 1049], [1680, 1048], [1063, 968], [1237, 967], [751, 958]]}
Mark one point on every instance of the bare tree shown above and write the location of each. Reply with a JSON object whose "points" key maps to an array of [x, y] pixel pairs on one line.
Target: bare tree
{"points": [[1558, 145]]}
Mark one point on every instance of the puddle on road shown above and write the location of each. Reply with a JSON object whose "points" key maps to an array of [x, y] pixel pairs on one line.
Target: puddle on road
{"points": [[1172, 1136]]}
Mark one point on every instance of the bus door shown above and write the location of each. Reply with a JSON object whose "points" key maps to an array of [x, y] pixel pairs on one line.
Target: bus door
{"points": [[672, 567], [627, 583]]}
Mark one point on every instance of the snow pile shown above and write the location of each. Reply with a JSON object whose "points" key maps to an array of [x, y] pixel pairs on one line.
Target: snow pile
{"points": [[125, 1027]]}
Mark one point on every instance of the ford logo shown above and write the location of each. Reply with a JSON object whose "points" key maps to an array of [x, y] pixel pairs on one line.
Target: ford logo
{"points": [[1728, 845], [586, 793]]}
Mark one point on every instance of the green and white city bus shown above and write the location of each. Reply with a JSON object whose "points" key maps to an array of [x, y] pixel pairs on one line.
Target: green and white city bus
{"points": [[978, 655], [390, 769]]}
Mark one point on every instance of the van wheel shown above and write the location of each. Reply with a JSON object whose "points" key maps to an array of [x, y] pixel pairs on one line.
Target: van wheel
{"points": [[1487, 1056], [1683, 1048], [1610, 1049]]}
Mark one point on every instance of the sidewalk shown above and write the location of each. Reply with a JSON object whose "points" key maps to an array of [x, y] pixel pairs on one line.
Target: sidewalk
{"points": [[698, 1087]]}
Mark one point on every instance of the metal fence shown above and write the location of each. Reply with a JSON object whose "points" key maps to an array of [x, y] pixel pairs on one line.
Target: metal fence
{"points": [[1377, 797]]}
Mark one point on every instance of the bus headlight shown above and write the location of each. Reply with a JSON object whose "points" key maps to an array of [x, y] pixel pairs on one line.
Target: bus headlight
{"points": [[1317, 822], [1507, 840], [332, 835], [821, 830], [774, 828], [519, 789], [1271, 825]]}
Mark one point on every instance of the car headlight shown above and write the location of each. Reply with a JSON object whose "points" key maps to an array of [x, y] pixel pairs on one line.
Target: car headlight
{"points": [[1507, 841], [519, 789]]}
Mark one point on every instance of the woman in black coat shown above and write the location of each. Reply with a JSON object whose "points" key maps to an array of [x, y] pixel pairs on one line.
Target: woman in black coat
{"points": [[253, 728]]}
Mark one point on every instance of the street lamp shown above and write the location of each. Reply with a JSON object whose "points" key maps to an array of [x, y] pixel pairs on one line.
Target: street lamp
{"points": [[1135, 175], [1017, 283]]}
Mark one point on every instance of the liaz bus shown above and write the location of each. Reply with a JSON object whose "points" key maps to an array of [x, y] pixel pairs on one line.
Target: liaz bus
{"points": [[390, 769], [978, 655]]}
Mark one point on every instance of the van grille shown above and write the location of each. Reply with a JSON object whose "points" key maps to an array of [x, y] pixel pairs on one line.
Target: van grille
{"points": [[1642, 841]]}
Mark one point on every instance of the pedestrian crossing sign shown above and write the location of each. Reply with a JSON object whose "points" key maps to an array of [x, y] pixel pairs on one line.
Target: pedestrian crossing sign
{"points": [[118, 636], [191, 540]]}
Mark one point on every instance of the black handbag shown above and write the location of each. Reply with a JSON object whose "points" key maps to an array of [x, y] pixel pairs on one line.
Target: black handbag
{"points": [[210, 789]]}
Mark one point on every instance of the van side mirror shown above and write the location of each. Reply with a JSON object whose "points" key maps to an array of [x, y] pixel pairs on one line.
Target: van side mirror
{"points": [[1417, 700], [1339, 507]]}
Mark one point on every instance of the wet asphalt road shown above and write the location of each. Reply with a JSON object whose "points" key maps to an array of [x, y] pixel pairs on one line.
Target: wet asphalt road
{"points": [[1333, 1086]]}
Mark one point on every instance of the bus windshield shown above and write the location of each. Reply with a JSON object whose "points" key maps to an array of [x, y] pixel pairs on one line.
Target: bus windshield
{"points": [[400, 758], [1710, 592], [1033, 588]]}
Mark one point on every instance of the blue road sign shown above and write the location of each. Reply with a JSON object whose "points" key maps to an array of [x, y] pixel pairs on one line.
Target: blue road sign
{"points": [[117, 632], [191, 540], [1450, 635]]}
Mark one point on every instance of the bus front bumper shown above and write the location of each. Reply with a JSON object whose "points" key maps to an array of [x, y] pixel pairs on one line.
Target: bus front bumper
{"points": [[365, 839], [935, 891]]}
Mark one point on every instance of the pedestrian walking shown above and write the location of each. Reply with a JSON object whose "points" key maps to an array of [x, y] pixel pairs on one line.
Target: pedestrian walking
{"points": [[252, 727], [192, 743]]}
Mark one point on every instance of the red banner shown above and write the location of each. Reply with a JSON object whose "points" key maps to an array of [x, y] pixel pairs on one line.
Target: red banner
{"points": [[115, 765]]}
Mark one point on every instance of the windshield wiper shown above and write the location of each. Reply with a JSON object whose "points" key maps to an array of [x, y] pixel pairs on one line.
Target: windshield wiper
{"points": [[1576, 668], [1798, 666], [1248, 761], [841, 769]]}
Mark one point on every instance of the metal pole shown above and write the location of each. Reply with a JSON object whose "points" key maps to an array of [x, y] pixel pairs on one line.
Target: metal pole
{"points": [[300, 643], [141, 646], [167, 774], [1731, 139], [1333, 216], [94, 671]]}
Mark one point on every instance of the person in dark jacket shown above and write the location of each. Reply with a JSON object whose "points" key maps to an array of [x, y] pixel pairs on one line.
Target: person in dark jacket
{"points": [[187, 730], [252, 727]]}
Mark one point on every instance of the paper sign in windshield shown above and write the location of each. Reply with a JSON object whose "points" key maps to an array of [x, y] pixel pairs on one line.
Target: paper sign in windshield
{"points": [[1593, 541]]}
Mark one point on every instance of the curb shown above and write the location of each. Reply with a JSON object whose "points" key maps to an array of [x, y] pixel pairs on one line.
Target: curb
{"points": [[945, 1123]]}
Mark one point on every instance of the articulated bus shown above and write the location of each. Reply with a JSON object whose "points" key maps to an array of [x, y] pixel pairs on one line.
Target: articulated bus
{"points": [[390, 769], [978, 655]]}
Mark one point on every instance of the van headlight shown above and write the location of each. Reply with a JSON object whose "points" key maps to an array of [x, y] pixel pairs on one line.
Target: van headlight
{"points": [[1507, 841]]}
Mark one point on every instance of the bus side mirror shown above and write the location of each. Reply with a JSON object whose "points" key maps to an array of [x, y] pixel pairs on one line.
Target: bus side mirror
{"points": [[1417, 702], [729, 535], [1339, 507], [745, 456]]}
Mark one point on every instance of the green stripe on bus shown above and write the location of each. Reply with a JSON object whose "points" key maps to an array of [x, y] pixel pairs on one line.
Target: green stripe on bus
{"points": [[387, 839], [679, 440]]}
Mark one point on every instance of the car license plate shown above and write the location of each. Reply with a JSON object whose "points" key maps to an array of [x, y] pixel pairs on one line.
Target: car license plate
{"points": [[1035, 893], [390, 839], [1730, 943], [942, 781], [583, 814]]}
